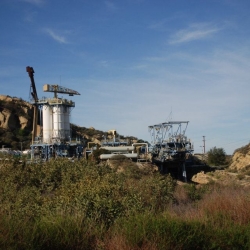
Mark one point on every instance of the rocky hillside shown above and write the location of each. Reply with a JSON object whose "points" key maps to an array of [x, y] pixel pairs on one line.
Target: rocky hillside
{"points": [[16, 118], [241, 159], [15, 122], [15, 113], [96, 136]]}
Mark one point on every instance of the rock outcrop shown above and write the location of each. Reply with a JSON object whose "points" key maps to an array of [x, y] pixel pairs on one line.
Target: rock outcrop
{"points": [[223, 177], [14, 113], [238, 171], [201, 178], [241, 158]]}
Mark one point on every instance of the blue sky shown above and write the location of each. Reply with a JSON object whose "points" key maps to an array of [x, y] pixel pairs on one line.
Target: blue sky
{"points": [[136, 63]]}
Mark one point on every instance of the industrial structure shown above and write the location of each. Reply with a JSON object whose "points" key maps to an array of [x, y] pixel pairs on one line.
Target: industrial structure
{"points": [[113, 145], [172, 151], [51, 136]]}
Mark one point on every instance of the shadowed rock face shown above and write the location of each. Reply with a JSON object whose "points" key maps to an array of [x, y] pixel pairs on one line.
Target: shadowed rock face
{"points": [[15, 113]]}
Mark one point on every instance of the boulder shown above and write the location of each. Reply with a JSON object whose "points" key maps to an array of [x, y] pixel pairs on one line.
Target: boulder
{"points": [[201, 178]]}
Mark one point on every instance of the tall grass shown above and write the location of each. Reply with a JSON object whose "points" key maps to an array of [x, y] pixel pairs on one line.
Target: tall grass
{"points": [[81, 205], [166, 232]]}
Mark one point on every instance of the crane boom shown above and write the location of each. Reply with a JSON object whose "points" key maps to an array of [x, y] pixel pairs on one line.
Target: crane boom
{"points": [[31, 72], [59, 89]]}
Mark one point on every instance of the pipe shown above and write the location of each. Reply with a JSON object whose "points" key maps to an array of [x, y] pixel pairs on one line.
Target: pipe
{"points": [[118, 149], [108, 156]]}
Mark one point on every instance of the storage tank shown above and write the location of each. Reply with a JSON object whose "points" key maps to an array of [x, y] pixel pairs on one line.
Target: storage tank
{"points": [[58, 122], [67, 122], [47, 123]]}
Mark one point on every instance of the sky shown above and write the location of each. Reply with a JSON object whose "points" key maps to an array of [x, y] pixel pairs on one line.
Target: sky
{"points": [[136, 63]]}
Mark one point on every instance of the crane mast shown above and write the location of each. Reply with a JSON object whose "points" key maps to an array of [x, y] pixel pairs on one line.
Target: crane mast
{"points": [[31, 72]]}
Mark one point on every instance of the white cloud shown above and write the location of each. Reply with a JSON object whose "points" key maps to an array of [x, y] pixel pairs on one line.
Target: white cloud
{"points": [[193, 32], [55, 36]]}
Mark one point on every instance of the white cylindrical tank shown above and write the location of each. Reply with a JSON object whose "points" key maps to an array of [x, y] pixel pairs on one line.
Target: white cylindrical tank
{"points": [[58, 122], [47, 123], [67, 122]]}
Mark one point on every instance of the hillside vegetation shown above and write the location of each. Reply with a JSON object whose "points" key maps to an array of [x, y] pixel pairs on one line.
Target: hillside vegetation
{"points": [[83, 205]]}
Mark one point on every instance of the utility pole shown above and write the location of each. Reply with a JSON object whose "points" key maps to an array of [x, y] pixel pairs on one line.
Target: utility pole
{"points": [[204, 145]]}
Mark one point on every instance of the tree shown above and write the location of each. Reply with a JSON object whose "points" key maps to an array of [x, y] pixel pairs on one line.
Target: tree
{"points": [[216, 156]]}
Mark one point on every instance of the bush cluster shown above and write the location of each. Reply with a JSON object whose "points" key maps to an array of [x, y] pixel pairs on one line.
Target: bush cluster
{"points": [[90, 192], [62, 204], [216, 156]]}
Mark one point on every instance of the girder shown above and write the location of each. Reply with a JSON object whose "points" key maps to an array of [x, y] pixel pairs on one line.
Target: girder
{"points": [[59, 89]]}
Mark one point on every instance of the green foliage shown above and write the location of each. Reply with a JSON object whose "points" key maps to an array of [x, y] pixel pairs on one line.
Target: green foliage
{"points": [[14, 138], [195, 193], [216, 156], [97, 152], [22, 132], [91, 191], [62, 204], [62, 232]]}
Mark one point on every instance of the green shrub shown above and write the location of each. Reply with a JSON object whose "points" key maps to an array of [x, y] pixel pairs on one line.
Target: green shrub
{"points": [[97, 152], [216, 156], [196, 193]]}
